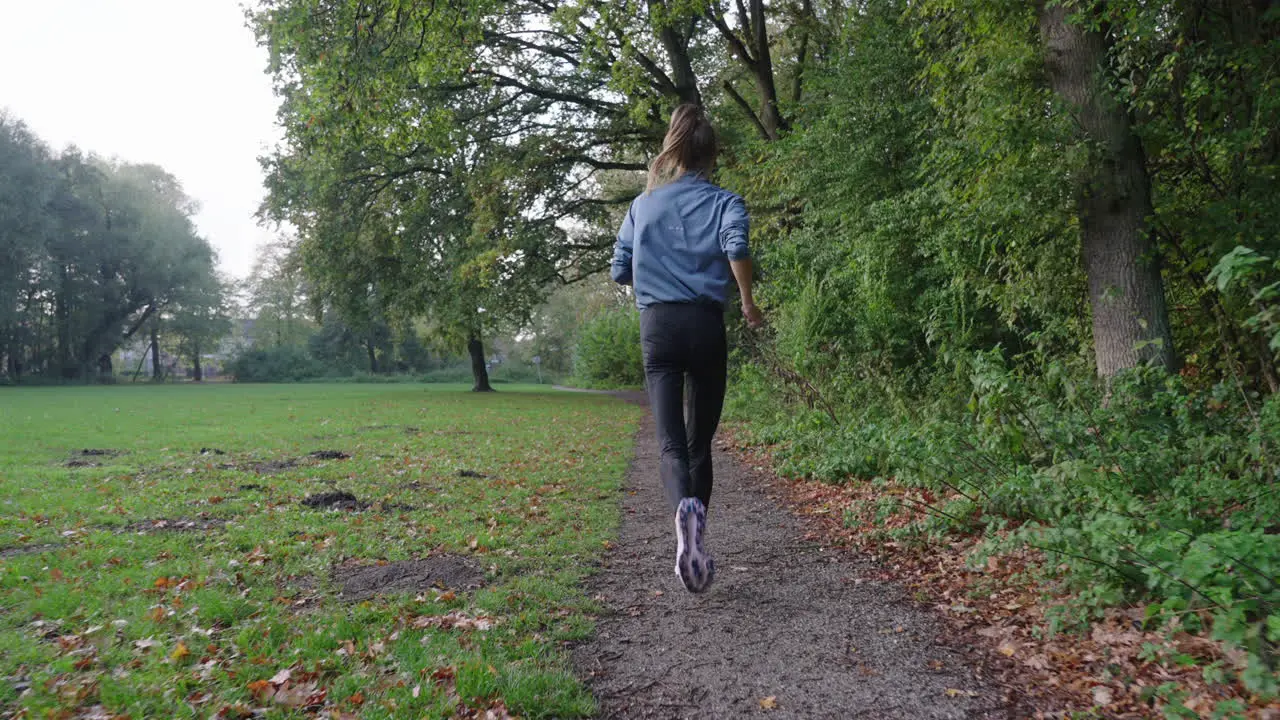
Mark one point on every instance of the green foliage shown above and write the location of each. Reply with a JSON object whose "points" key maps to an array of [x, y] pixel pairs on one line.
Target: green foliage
{"points": [[1156, 493], [1244, 268], [90, 251], [607, 351], [282, 363]]}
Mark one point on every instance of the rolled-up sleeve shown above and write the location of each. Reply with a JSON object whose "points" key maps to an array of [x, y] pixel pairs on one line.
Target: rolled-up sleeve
{"points": [[620, 270], [734, 228]]}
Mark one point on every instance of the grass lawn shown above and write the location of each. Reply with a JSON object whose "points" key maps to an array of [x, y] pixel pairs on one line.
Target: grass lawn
{"points": [[151, 580]]}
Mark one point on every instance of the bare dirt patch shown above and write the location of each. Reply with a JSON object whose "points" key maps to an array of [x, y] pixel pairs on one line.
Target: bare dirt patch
{"points": [[440, 572], [91, 457], [18, 550], [269, 467], [198, 524], [334, 500], [406, 429]]}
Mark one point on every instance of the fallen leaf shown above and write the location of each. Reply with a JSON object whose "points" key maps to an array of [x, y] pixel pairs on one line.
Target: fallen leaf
{"points": [[454, 620], [954, 692], [261, 689], [417, 690], [146, 644], [1006, 649], [305, 695], [281, 677], [1102, 695], [179, 652], [70, 642], [769, 703]]}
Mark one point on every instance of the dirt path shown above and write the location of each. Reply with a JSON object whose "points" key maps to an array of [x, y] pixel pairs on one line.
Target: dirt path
{"points": [[786, 620]]}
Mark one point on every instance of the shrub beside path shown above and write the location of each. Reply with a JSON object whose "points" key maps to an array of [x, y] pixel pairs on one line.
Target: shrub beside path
{"points": [[791, 629]]}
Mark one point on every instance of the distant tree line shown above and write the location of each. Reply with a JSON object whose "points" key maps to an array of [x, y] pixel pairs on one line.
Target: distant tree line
{"points": [[93, 254]]}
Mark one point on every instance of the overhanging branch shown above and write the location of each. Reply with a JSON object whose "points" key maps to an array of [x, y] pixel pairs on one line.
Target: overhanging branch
{"points": [[746, 108]]}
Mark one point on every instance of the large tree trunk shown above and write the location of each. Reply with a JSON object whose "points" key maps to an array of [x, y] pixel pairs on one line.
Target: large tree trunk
{"points": [[753, 52], [770, 115], [683, 79], [373, 356], [1126, 292], [197, 372], [476, 349], [155, 354]]}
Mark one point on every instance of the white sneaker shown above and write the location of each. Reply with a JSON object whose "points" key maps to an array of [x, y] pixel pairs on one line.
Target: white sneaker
{"points": [[695, 568]]}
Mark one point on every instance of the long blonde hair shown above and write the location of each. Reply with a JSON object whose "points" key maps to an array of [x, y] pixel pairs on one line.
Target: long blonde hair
{"points": [[690, 146]]}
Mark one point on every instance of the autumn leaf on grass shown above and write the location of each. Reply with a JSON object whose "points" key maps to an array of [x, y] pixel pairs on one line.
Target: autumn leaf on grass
{"points": [[261, 689], [769, 703], [179, 652], [145, 645], [454, 620], [300, 695], [282, 690], [70, 642]]}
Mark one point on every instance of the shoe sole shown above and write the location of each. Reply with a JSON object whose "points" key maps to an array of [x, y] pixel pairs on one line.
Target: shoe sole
{"points": [[695, 568]]}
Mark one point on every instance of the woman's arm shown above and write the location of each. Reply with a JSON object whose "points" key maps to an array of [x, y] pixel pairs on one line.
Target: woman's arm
{"points": [[620, 270], [734, 228], [742, 273]]}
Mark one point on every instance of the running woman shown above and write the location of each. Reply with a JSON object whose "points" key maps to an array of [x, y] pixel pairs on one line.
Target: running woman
{"points": [[681, 245]]}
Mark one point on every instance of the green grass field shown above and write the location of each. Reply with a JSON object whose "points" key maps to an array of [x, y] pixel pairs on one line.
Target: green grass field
{"points": [[155, 581]]}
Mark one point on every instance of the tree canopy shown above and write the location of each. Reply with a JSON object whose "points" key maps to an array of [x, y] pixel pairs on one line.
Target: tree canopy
{"points": [[92, 250]]}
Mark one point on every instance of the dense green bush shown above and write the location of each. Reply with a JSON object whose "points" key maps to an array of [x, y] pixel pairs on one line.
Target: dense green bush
{"points": [[277, 364], [1153, 493], [607, 351]]}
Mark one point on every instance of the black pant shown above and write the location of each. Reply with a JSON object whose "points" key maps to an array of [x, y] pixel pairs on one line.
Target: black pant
{"points": [[685, 351]]}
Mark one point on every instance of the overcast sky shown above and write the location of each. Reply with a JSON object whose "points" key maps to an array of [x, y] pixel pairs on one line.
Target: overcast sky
{"points": [[178, 83]]}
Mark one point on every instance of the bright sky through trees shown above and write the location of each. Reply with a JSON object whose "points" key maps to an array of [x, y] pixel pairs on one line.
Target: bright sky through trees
{"points": [[178, 83]]}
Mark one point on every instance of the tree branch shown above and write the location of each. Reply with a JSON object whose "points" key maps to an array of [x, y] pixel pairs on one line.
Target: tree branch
{"points": [[606, 164], [735, 43], [746, 108], [580, 100]]}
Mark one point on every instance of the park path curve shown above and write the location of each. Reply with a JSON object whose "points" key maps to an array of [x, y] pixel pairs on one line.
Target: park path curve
{"points": [[790, 629]]}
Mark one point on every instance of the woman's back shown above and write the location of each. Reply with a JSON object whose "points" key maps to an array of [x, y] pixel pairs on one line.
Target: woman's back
{"points": [[681, 237]]}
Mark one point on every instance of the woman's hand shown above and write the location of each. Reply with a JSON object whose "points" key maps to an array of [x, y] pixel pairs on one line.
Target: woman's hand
{"points": [[755, 318]]}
